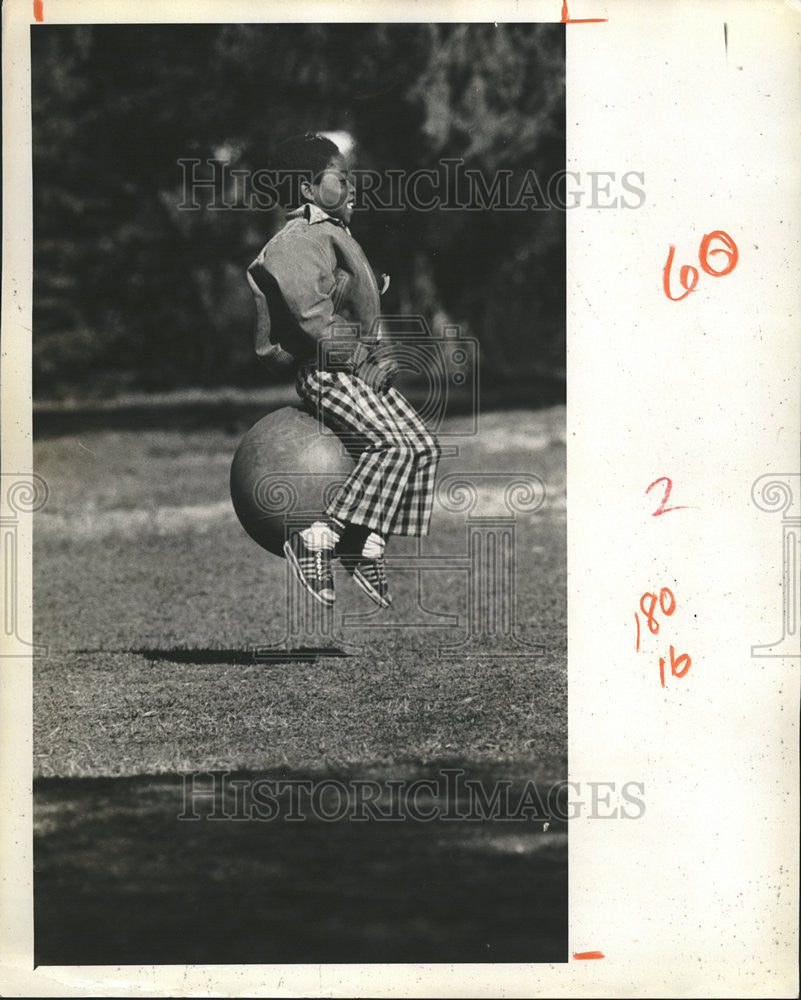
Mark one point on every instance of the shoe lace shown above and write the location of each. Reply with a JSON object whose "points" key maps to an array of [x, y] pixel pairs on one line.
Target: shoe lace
{"points": [[380, 571]]}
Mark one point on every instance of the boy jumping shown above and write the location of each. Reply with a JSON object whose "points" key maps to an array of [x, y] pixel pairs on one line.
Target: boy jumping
{"points": [[309, 280]]}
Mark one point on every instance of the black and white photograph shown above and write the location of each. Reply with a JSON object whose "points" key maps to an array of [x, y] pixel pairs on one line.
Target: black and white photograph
{"points": [[300, 575], [400, 498]]}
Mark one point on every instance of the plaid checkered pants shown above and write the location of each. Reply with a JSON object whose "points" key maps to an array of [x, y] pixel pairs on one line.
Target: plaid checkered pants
{"points": [[391, 490]]}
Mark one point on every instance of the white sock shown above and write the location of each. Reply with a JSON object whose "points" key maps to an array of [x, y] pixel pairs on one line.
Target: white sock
{"points": [[319, 536], [373, 546]]}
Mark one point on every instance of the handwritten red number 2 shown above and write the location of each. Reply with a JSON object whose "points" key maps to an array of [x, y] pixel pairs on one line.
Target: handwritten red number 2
{"points": [[662, 508], [688, 275]]}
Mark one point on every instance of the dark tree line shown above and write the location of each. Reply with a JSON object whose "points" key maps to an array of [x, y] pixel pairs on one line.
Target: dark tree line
{"points": [[130, 291]]}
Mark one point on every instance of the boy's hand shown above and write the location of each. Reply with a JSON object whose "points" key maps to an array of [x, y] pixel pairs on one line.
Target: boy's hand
{"points": [[362, 355], [379, 375], [368, 364]]}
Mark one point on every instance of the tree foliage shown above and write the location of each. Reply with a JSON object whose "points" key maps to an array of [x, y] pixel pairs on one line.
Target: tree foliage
{"points": [[132, 291]]}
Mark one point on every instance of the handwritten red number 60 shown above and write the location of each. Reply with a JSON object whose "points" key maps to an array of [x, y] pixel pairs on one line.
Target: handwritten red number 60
{"points": [[688, 275]]}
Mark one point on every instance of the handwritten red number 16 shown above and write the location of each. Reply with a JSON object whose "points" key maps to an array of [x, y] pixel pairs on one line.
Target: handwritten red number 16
{"points": [[688, 275]]}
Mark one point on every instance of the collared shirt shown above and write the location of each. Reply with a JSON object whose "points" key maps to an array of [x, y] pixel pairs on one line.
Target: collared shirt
{"points": [[313, 213]]}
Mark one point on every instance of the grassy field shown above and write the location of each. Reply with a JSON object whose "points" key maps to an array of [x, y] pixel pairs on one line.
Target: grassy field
{"points": [[151, 600]]}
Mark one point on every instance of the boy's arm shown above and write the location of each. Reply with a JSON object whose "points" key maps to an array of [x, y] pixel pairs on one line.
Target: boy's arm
{"points": [[271, 355], [308, 286]]}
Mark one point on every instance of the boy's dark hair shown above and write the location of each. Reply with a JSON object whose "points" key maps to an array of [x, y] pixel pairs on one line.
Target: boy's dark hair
{"points": [[302, 157]]}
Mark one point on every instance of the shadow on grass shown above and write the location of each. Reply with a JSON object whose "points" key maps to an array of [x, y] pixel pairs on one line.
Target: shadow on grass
{"points": [[228, 657], [236, 415], [174, 869]]}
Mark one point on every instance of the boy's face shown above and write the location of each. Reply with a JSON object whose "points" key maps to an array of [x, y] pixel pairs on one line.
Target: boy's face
{"points": [[333, 190]]}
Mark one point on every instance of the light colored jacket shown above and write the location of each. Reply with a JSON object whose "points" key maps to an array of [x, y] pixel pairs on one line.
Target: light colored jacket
{"points": [[311, 280]]}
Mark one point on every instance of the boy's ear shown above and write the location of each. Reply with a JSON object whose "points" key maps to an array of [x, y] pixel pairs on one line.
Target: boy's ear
{"points": [[306, 189]]}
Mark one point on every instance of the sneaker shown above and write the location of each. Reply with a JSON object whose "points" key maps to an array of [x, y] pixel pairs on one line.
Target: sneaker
{"points": [[312, 567], [371, 576]]}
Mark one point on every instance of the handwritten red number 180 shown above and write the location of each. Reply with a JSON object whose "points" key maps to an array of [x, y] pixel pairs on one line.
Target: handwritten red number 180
{"points": [[665, 602]]}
